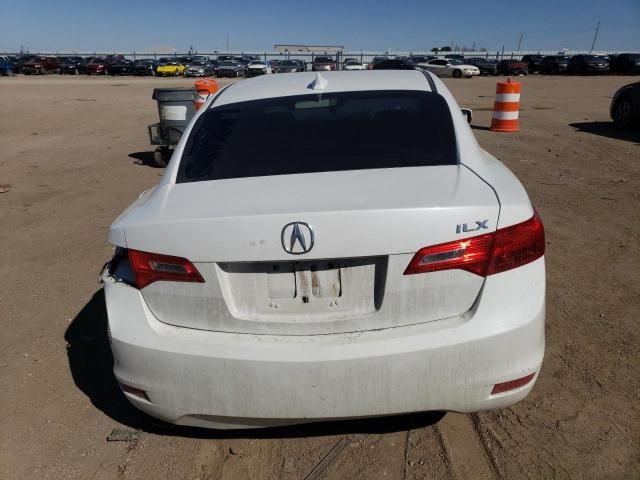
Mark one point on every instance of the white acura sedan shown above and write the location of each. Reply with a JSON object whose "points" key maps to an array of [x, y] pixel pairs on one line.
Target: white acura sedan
{"points": [[378, 262]]}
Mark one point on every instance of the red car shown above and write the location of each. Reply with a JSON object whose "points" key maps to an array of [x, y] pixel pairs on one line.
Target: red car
{"points": [[101, 65], [41, 65], [512, 67], [323, 64]]}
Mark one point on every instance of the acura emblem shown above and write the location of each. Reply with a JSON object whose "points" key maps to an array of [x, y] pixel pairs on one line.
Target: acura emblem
{"points": [[297, 238]]}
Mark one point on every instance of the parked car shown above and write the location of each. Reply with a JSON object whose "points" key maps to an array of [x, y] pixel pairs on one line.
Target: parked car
{"points": [[20, 61], [445, 67], [421, 60], [41, 65], [96, 66], [122, 67], [396, 64], [323, 64], [199, 69], [73, 66], [587, 64], [454, 56], [144, 66], [258, 67], [625, 106], [511, 67], [7, 67], [553, 64], [534, 63], [275, 65], [486, 66], [170, 67], [626, 64], [230, 68], [303, 65], [224, 58], [206, 293], [350, 64], [288, 66]]}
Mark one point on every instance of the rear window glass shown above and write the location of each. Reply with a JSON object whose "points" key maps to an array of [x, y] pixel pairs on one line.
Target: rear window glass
{"points": [[320, 133]]}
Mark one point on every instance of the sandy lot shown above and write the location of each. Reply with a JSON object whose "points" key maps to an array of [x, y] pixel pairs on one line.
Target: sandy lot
{"points": [[74, 153]]}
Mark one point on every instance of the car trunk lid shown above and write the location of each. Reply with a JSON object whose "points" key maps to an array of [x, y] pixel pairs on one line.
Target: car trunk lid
{"points": [[367, 226]]}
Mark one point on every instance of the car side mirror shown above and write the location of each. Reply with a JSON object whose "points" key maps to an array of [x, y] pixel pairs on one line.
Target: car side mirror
{"points": [[467, 112]]}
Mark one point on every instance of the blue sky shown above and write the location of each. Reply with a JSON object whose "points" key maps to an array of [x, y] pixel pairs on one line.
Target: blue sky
{"points": [[126, 26]]}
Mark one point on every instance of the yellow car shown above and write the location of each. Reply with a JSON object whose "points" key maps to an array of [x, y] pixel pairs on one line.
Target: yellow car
{"points": [[170, 67]]}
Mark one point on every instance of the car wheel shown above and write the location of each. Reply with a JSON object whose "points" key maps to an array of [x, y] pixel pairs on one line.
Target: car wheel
{"points": [[457, 74], [622, 113], [161, 156]]}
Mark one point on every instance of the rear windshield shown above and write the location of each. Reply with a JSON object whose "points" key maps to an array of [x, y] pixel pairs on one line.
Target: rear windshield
{"points": [[320, 133]]}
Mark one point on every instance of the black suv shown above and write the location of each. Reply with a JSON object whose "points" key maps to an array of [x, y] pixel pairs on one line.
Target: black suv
{"points": [[486, 67], [73, 66], [626, 64], [534, 63], [553, 64], [396, 64], [586, 64]]}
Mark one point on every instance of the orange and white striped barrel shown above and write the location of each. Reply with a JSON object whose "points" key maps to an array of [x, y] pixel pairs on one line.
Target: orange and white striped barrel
{"points": [[506, 107], [204, 88]]}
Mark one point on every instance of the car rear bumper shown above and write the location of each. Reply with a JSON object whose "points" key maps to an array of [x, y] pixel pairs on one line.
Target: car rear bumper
{"points": [[227, 380]]}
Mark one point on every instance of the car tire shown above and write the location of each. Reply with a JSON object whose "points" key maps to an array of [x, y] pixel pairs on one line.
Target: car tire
{"points": [[457, 73], [623, 113], [161, 156]]}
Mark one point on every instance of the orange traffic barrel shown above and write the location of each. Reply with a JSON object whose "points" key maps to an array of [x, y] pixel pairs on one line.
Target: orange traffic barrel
{"points": [[506, 107], [204, 88]]}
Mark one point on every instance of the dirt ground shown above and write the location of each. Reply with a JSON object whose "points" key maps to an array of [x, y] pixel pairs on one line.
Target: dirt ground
{"points": [[74, 153]]}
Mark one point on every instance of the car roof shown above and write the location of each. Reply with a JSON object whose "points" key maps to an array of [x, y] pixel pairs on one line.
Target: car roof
{"points": [[271, 86]]}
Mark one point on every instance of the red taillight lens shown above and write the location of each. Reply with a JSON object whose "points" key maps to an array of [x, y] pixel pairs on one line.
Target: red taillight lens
{"points": [[517, 245], [153, 267], [484, 255], [470, 254]]}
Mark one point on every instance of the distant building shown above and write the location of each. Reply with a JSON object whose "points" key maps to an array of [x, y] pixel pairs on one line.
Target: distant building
{"points": [[322, 49]]}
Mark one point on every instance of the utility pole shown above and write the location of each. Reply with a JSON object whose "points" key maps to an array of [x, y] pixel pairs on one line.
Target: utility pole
{"points": [[227, 42], [520, 41], [595, 36]]}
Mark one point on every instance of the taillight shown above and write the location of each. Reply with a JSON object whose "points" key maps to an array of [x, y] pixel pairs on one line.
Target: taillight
{"points": [[154, 267], [484, 255]]}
